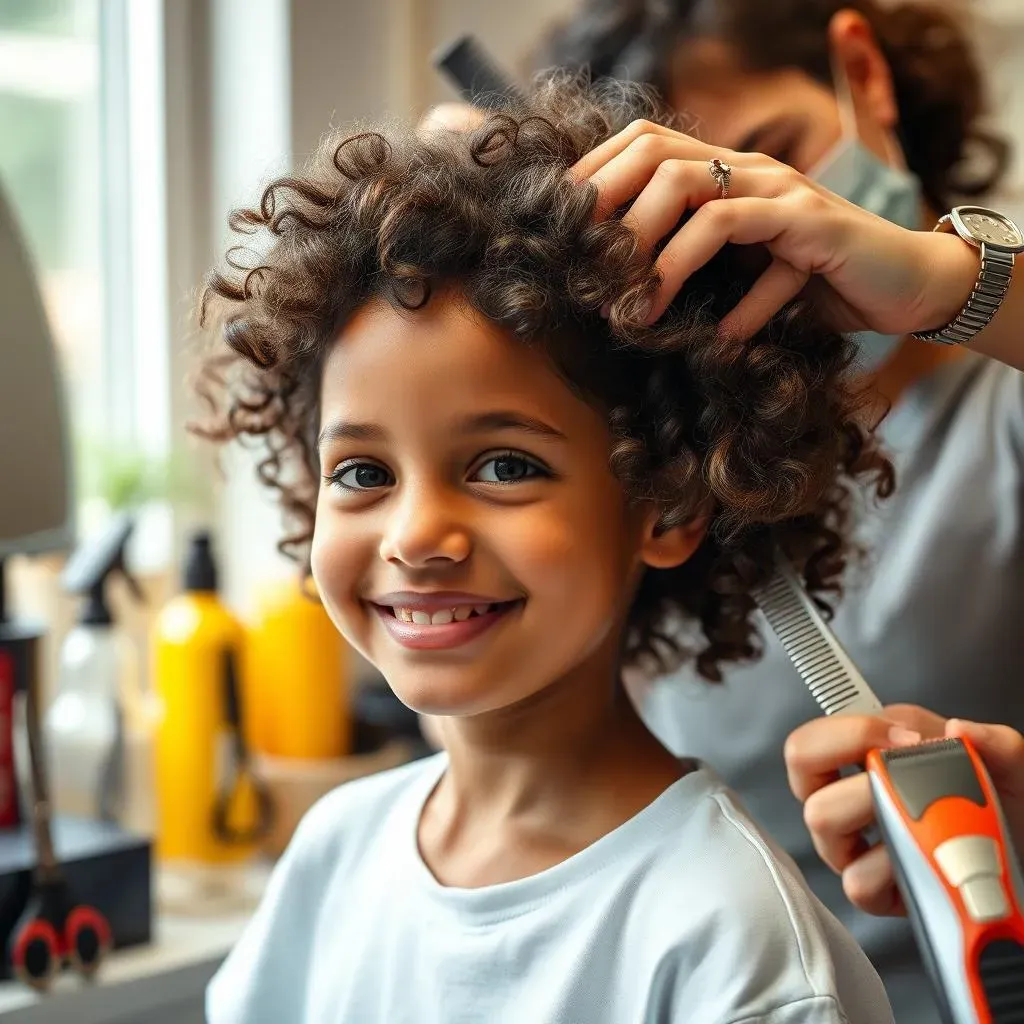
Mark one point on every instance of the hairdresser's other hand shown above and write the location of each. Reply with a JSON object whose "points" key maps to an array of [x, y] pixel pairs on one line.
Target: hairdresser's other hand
{"points": [[837, 810], [451, 117], [863, 271]]}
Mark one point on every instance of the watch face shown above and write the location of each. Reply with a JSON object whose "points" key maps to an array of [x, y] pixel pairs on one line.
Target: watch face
{"points": [[992, 228]]}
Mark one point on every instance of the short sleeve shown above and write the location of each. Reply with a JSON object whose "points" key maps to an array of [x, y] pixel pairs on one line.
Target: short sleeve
{"points": [[813, 1010], [768, 952]]}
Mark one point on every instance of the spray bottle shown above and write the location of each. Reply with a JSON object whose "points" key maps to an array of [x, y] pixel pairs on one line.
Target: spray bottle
{"points": [[98, 675], [212, 809]]}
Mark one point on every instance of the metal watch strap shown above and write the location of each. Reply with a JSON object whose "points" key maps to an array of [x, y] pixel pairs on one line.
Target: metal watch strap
{"points": [[988, 294]]}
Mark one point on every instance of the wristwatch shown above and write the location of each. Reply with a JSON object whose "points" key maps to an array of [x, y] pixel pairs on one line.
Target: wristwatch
{"points": [[999, 240]]}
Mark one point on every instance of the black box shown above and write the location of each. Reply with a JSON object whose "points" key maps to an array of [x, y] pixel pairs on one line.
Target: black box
{"points": [[105, 867]]}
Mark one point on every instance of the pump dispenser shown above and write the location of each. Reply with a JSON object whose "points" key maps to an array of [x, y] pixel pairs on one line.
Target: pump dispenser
{"points": [[98, 700]]}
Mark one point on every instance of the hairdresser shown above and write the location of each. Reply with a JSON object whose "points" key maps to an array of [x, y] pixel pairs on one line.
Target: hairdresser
{"points": [[877, 105]]}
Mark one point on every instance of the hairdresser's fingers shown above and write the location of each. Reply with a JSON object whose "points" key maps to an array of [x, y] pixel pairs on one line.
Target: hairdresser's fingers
{"points": [[927, 724], [586, 166], [678, 167], [1002, 750], [836, 815], [640, 165], [1000, 747], [744, 221], [674, 187], [780, 283], [632, 160], [815, 752], [870, 885]]}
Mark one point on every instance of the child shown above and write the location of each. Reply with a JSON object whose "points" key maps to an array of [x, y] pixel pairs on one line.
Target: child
{"points": [[507, 500]]}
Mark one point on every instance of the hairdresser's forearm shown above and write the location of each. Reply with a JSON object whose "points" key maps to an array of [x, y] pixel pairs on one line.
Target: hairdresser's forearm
{"points": [[1003, 339]]}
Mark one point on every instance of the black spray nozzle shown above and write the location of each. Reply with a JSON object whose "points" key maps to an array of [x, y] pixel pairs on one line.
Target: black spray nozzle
{"points": [[200, 568], [92, 564], [478, 78]]}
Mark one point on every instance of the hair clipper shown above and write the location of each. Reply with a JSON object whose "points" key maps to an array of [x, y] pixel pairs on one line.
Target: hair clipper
{"points": [[940, 819], [958, 874]]}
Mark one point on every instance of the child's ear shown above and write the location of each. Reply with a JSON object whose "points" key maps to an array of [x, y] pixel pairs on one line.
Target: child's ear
{"points": [[666, 548]]}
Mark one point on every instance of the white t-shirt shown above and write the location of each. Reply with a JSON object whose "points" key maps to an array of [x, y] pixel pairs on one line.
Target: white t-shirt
{"points": [[685, 914]]}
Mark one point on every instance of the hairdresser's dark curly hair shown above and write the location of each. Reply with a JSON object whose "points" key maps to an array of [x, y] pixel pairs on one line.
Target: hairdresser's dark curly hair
{"points": [[761, 437], [937, 78]]}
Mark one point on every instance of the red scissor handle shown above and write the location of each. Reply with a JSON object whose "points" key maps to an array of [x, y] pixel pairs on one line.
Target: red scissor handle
{"points": [[42, 947], [38, 954], [86, 939]]}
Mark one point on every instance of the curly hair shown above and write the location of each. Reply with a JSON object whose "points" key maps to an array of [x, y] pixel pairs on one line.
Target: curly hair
{"points": [[762, 439]]}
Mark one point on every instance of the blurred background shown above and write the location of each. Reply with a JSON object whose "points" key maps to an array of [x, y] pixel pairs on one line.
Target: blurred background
{"points": [[128, 130]]}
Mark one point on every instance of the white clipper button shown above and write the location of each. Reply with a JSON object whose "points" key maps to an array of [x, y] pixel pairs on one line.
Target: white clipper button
{"points": [[967, 856], [984, 898]]}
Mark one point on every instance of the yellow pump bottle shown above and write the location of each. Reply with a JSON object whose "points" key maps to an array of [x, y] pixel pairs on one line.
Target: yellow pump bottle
{"points": [[193, 635], [297, 672]]}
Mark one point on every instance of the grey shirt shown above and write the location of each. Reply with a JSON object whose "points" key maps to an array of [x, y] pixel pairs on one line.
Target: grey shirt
{"points": [[935, 617]]}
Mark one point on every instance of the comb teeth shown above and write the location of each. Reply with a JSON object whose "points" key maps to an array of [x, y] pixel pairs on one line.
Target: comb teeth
{"points": [[830, 675]]}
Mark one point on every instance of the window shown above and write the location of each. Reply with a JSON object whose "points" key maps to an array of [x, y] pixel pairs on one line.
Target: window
{"points": [[81, 119], [50, 168]]}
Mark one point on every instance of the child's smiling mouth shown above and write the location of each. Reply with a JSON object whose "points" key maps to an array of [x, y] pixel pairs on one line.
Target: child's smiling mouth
{"points": [[436, 621]]}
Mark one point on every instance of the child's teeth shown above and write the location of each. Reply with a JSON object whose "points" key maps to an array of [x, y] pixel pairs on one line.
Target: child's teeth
{"points": [[439, 618], [443, 617]]}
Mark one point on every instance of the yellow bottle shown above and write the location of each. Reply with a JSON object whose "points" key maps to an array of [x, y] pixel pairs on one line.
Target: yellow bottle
{"points": [[297, 672], [194, 635]]}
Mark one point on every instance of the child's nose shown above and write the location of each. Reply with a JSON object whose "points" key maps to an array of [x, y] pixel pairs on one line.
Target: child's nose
{"points": [[426, 529]]}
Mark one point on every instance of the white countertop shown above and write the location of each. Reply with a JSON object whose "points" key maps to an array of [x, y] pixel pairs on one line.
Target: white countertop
{"points": [[139, 983]]}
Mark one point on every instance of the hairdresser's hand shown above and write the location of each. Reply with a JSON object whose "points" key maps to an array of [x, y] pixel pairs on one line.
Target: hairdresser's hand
{"points": [[864, 272], [451, 117], [836, 809]]}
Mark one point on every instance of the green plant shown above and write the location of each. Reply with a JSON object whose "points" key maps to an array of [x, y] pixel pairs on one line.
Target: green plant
{"points": [[126, 477]]}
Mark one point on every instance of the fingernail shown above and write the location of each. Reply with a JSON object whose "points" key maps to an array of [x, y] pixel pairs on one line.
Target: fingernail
{"points": [[961, 726], [902, 737], [644, 312], [606, 310]]}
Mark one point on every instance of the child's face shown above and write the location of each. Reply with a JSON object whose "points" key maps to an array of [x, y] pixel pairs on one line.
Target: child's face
{"points": [[461, 472]]}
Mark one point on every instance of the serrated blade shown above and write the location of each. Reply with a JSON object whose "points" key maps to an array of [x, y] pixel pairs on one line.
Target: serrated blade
{"points": [[833, 679]]}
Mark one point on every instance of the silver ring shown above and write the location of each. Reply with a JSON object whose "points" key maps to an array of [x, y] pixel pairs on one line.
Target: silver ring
{"points": [[722, 173]]}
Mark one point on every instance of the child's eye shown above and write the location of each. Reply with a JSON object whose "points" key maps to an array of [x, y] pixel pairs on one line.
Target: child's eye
{"points": [[509, 468], [360, 476]]}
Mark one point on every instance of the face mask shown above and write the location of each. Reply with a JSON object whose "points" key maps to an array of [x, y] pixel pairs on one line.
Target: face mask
{"points": [[852, 171]]}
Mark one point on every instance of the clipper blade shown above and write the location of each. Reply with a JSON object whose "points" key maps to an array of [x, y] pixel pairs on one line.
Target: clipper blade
{"points": [[830, 675]]}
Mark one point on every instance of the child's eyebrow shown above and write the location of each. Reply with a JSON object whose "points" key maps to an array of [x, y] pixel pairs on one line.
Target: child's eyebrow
{"points": [[507, 420], [479, 423], [340, 430]]}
